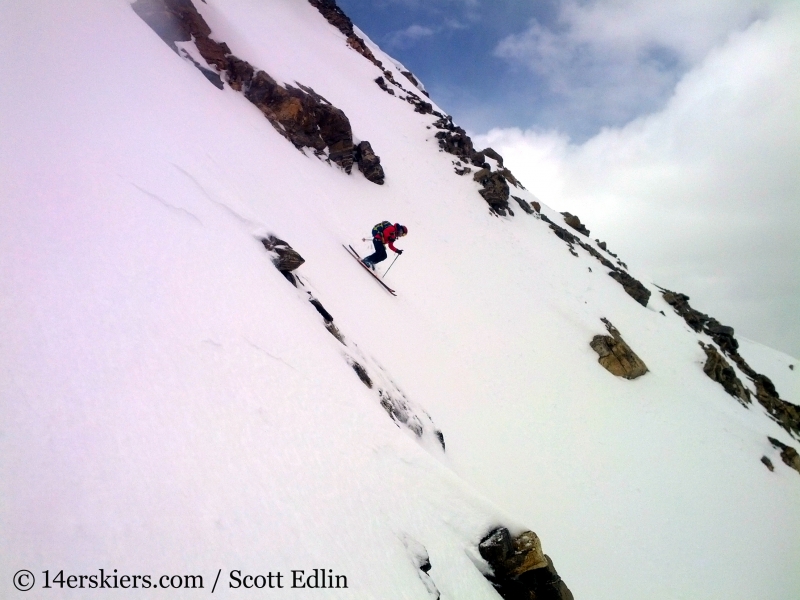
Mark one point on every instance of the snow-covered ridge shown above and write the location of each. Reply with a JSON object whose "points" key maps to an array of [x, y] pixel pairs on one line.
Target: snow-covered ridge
{"points": [[172, 404]]}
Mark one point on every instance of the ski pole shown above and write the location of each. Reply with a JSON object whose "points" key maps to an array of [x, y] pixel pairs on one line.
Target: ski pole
{"points": [[390, 266]]}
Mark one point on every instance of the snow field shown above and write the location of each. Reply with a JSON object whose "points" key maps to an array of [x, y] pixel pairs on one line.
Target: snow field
{"points": [[170, 403]]}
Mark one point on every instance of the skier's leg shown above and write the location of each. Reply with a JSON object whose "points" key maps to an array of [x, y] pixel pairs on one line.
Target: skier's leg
{"points": [[378, 255], [380, 252]]}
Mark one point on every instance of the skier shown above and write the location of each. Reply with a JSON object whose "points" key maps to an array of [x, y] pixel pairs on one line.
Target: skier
{"points": [[384, 233]]}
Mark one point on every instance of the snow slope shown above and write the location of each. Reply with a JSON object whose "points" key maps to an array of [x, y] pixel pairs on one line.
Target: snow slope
{"points": [[170, 404]]}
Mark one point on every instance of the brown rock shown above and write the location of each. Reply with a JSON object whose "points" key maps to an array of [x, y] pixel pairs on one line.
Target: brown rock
{"points": [[299, 114], [527, 554], [574, 222], [616, 356], [718, 369], [285, 258], [521, 569], [788, 454], [336, 17], [239, 73], [495, 189], [786, 414], [511, 179]]}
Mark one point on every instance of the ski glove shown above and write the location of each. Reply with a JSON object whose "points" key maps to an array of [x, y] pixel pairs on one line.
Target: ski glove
{"points": [[399, 251]]}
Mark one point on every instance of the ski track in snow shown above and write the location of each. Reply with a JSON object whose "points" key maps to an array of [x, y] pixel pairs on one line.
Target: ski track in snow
{"points": [[167, 204]]}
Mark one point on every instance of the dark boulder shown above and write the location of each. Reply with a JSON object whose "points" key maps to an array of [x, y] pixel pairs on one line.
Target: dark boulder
{"points": [[495, 189], [722, 335], [632, 286], [574, 222], [362, 373], [492, 153], [410, 76], [382, 84], [680, 303], [239, 73], [285, 258], [369, 163], [524, 205]]}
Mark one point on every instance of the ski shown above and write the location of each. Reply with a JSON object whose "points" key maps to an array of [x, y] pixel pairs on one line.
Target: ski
{"points": [[355, 255]]}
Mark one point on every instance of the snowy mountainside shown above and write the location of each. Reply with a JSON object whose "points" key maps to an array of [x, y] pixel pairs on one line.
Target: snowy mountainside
{"points": [[172, 404]]}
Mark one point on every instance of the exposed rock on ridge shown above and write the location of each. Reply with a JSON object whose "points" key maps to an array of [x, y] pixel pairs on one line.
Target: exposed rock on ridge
{"points": [[299, 114], [496, 190], [786, 414], [336, 17], [575, 222], [718, 369], [634, 288]]}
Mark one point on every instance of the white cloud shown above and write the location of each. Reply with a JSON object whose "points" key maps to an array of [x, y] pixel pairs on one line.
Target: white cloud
{"points": [[704, 194], [616, 59], [409, 36]]}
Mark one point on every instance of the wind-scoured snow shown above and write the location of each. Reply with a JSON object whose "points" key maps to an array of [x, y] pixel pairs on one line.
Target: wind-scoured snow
{"points": [[169, 403]]}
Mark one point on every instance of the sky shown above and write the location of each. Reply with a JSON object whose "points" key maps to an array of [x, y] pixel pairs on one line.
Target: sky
{"points": [[671, 129]]}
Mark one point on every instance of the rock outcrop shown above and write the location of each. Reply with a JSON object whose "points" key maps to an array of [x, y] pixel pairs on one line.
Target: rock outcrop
{"points": [[632, 286], [527, 207], [304, 118], [299, 114], [336, 17], [616, 356], [786, 414], [718, 369], [575, 222], [788, 454], [495, 189], [285, 258], [369, 164], [521, 571], [495, 183]]}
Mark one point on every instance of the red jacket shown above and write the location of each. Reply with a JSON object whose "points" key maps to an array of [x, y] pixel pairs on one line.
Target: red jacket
{"points": [[388, 236]]}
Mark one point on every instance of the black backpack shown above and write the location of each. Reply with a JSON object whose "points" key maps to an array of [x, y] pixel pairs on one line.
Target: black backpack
{"points": [[377, 231]]}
